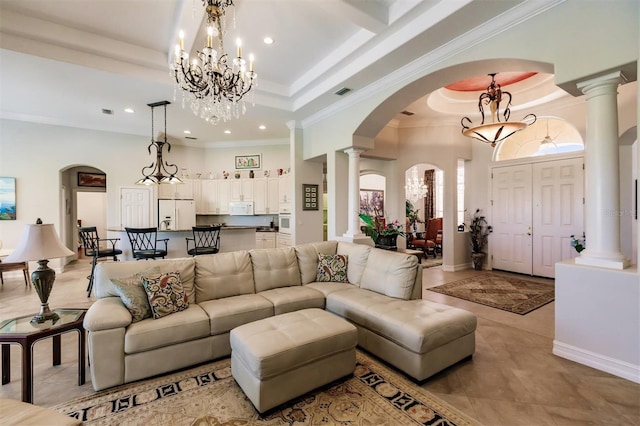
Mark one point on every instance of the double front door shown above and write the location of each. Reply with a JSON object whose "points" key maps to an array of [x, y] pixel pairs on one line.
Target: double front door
{"points": [[535, 210]]}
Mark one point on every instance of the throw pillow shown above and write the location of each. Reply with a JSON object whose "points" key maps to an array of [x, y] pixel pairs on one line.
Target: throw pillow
{"points": [[332, 268], [133, 295], [166, 293]]}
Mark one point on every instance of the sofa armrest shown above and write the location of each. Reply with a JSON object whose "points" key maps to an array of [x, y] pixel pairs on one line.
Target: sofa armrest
{"points": [[107, 313]]}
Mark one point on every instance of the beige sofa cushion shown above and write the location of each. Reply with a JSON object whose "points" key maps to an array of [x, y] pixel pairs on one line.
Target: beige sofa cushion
{"points": [[295, 298], [223, 275], [103, 287], [230, 312], [357, 259], [328, 288], [419, 325], [274, 268], [354, 303], [390, 273], [183, 326], [307, 255]]}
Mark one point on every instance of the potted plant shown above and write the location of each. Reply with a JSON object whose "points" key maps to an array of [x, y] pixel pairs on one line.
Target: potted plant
{"points": [[412, 215], [383, 235], [479, 231]]}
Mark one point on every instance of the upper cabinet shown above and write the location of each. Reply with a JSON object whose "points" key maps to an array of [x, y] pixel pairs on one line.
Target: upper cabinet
{"points": [[265, 195], [270, 195], [178, 191], [214, 197], [242, 189]]}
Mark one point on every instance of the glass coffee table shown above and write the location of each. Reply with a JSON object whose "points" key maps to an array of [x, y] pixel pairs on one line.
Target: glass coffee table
{"points": [[26, 333]]}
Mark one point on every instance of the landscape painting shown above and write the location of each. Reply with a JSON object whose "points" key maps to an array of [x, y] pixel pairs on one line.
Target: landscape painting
{"points": [[7, 198]]}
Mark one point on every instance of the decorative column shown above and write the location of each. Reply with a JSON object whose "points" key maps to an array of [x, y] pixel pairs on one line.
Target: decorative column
{"points": [[602, 174], [353, 233]]}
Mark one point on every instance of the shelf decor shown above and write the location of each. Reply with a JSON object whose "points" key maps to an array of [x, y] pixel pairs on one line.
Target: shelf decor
{"points": [[310, 197], [247, 162]]}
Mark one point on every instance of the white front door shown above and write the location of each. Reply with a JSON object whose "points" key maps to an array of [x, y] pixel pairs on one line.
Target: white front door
{"points": [[558, 212], [511, 217], [135, 207]]}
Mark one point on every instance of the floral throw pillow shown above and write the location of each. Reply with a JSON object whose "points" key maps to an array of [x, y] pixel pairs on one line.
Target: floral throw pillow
{"points": [[166, 293], [332, 268], [133, 295]]}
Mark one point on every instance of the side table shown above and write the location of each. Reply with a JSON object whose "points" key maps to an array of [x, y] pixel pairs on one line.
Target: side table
{"points": [[26, 333]]}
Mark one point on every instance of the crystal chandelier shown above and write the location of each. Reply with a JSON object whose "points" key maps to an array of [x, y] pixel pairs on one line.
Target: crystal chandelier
{"points": [[497, 130], [212, 83], [157, 169], [415, 188]]}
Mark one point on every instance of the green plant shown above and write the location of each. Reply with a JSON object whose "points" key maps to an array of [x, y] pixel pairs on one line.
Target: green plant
{"points": [[412, 213], [374, 228], [479, 231], [578, 243]]}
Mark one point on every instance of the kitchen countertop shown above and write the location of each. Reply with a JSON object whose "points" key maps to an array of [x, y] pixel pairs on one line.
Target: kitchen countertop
{"points": [[224, 228]]}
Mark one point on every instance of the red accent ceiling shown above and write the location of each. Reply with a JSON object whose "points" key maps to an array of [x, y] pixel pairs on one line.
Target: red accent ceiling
{"points": [[480, 83]]}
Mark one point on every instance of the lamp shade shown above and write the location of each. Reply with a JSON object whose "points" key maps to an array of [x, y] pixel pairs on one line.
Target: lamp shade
{"points": [[38, 241]]}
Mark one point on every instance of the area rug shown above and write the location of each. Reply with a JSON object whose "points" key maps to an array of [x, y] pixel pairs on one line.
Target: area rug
{"points": [[208, 395], [507, 293], [430, 262]]}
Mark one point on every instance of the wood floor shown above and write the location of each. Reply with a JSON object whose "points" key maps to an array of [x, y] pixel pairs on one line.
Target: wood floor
{"points": [[513, 378]]}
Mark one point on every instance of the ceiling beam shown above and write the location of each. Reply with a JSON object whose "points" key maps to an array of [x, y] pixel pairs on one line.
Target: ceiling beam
{"points": [[368, 14]]}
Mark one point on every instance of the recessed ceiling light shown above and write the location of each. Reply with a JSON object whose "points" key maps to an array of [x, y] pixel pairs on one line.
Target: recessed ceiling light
{"points": [[262, 127], [129, 110], [268, 40], [227, 132], [187, 132]]}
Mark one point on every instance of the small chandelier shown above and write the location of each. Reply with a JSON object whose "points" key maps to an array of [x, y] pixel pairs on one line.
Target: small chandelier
{"points": [[213, 86], [497, 130], [158, 173], [415, 188]]}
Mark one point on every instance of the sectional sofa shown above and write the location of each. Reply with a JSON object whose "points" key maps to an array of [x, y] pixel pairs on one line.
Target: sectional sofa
{"points": [[381, 297]]}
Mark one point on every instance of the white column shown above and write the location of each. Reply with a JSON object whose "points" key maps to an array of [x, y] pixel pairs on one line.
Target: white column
{"points": [[353, 233], [602, 174]]}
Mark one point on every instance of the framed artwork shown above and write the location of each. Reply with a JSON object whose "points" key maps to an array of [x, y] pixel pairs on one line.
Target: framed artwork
{"points": [[310, 197], [95, 180], [7, 198], [372, 202], [246, 162]]}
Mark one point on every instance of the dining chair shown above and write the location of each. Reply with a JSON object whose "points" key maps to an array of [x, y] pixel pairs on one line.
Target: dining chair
{"points": [[206, 240], [144, 243], [97, 248]]}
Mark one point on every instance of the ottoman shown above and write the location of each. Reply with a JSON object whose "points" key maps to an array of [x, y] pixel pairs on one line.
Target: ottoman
{"points": [[280, 358]]}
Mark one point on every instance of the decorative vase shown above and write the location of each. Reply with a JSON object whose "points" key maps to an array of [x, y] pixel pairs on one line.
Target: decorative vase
{"points": [[387, 241], [478, 260], [237, 175], [251, 174]]}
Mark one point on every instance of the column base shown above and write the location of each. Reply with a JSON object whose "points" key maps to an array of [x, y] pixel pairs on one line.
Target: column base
{"points": [[357, 239], [621, 263]]}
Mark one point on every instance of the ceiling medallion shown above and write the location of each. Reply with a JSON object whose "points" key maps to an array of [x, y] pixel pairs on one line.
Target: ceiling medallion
{"points": [[498, 130], [213, 84]]}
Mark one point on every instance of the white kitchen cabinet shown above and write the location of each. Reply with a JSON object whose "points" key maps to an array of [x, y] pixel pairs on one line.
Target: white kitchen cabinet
{"points": [[197, 197], [284, 240], [265, 240], [242, 190], [265, 195], [178, 191], [285, 191], [215, 196]]}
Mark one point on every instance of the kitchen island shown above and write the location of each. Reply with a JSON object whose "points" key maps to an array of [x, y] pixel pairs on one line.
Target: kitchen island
{"points": [[232, 238]]}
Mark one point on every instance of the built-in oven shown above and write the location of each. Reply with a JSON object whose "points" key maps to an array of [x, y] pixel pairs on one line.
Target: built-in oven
{"points": [[285, 223]]}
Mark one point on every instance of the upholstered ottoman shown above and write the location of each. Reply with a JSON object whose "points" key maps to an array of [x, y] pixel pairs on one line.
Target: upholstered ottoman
{"points": [[280, 358]]}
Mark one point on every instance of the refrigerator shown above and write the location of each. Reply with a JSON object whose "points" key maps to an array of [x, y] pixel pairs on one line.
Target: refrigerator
{"points": [[177, 215]]}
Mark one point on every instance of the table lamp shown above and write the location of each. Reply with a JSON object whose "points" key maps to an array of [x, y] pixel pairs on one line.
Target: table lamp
{"points": [[40, 242]]}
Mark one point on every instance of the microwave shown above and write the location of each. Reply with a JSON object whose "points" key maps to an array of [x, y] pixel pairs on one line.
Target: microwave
{"points": [[241, 208], [285, 223]]}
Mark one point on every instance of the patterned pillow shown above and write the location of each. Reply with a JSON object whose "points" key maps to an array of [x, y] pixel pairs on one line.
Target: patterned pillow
{"points": [[166, 294], [132, 293], [332, 268]]}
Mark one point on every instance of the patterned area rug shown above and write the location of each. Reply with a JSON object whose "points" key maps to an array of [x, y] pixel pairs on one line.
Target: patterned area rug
{"points": [[208, 395], [507, 293], [430, 262]]}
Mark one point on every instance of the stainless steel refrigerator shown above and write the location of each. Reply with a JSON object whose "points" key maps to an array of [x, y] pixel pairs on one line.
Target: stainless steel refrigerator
{"points": [[176, 215]]}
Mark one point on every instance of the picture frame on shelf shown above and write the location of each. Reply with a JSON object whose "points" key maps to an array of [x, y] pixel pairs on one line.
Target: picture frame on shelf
{"points": [[310, 197], [7, 198], [248, 162], [93, 180]]}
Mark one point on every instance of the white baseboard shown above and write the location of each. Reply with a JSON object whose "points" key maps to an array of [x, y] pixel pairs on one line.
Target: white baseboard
{"points": [[599, 362], [458, 267]]}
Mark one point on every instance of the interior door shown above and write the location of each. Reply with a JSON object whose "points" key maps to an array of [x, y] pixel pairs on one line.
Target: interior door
{"points": [[558, 191], [135, 207], [511, 241]]}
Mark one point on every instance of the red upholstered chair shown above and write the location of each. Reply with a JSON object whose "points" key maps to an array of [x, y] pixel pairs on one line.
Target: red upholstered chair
{"points": [[428, 242]]}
